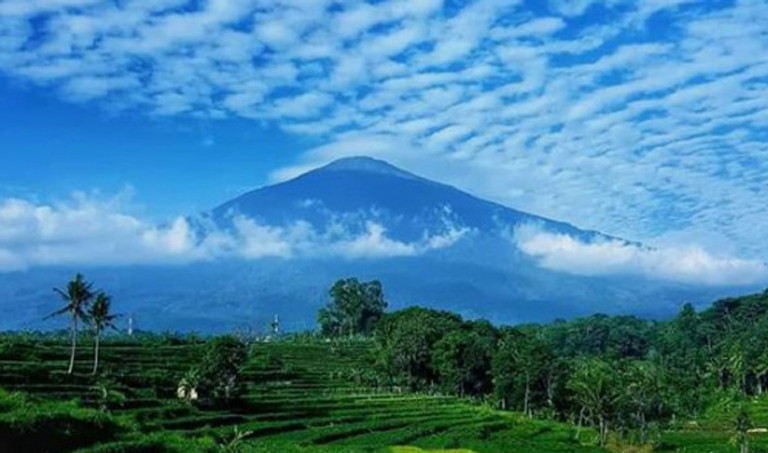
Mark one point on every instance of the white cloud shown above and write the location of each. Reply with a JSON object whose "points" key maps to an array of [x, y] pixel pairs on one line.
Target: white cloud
{"points": [[374, 243], [29, 7], [89, 231], [689, 264], [84, 231], [595, 119], [305, 105]]}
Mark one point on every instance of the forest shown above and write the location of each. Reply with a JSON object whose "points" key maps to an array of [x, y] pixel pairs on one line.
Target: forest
{"points": [[621, 375]]}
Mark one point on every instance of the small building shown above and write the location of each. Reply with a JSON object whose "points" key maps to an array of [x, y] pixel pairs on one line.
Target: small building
{"points": [[186, 391]]}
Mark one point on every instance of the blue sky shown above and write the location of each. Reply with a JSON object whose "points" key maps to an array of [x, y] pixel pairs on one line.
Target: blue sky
{"points": [[644, 119], [173, 165]]}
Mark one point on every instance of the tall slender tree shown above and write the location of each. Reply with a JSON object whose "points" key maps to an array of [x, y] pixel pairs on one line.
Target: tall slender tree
{"points": [[77, 296], [595, 389], [741, 430], [101, 318]]}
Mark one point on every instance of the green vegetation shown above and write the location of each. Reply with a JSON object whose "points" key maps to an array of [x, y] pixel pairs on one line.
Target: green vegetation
{"points": [[355, 308], [77, 295], [101, 318], [308, 396], [217, 379], [665, 386], [35, 426], [414, 380]]}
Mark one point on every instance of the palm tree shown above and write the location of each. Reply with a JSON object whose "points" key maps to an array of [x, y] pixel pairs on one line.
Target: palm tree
{"points": [[741, 430], [596, 391], [101, 319], [77, 295]]}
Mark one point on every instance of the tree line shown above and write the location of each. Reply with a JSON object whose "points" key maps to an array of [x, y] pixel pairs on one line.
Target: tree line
{"points": [[621, 375]]}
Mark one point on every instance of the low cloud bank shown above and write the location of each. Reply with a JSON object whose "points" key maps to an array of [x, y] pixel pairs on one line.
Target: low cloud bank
{"points": [[86, 231], [89, 231], [684, 264]]}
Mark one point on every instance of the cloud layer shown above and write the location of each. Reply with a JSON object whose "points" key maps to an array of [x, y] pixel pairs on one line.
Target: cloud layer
{"points": [[92, 231], [640, 118], [87, 231], [691, 264]]}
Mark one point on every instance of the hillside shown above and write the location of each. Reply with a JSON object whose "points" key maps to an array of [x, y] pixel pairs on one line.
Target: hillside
{"points": [[301, 397], [429, 243]]}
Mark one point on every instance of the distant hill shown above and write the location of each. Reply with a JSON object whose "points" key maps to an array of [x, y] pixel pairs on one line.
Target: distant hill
{"points": [[457, 255]]}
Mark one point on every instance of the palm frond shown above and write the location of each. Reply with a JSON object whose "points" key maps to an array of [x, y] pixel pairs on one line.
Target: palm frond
{"points": [[61, 293], [58, 312]]}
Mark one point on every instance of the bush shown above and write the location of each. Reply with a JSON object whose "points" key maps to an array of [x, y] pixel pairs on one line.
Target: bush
{"points": [[217, 378], [157, 443], [51, 427]]}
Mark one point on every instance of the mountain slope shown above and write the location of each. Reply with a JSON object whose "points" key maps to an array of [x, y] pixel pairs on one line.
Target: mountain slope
{"points": [[478, 272], [362, 187]]}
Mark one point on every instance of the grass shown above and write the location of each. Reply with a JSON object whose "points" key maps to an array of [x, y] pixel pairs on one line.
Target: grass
{"points": [[419, 450], [713, 432]]}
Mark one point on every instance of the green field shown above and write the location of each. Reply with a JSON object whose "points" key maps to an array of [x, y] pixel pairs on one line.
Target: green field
{"points": [[297, 400], [713, 432], [301, 397]]}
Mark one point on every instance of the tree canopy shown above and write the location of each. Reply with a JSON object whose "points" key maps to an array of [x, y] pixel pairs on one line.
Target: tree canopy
{"points": [[621, 375], [355, 308]]}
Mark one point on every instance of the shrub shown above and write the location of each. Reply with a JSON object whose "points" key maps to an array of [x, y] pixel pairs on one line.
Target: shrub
{"points": [[51, 427], [157, 443], [218, 375]]}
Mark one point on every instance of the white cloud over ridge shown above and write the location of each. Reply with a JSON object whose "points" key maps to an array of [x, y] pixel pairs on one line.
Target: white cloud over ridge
{"points": [[644, 118], [688, 264], [87, 231]]}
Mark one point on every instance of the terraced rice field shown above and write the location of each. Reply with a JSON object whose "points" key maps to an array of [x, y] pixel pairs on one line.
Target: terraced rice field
{"points": [[714, 432], [298, 400]]}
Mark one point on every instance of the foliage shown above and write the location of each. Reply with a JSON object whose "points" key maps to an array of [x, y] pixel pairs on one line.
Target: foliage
{"points": [[621, 375], [462, 362], [218, 377], [524, 371], [596, 391], [100, 317], [630, 384], [301, 398], [156, 443], [236, 441], [407, 340], [77, 296], [355, 308], [41, 427], [741, 427]]}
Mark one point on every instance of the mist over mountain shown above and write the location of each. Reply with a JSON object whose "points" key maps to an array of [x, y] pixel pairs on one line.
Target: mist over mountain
{"points": [[430, 244]]}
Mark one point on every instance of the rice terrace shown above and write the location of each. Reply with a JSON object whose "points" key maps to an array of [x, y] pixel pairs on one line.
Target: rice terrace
{"points": [[301, 396]]}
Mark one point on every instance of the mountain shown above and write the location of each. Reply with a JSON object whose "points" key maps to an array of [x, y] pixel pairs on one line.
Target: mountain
{"points": [[363, 188], [429, 243]]}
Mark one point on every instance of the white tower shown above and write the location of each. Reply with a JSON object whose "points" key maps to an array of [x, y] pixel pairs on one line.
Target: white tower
{"points": [[276, 326]]}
